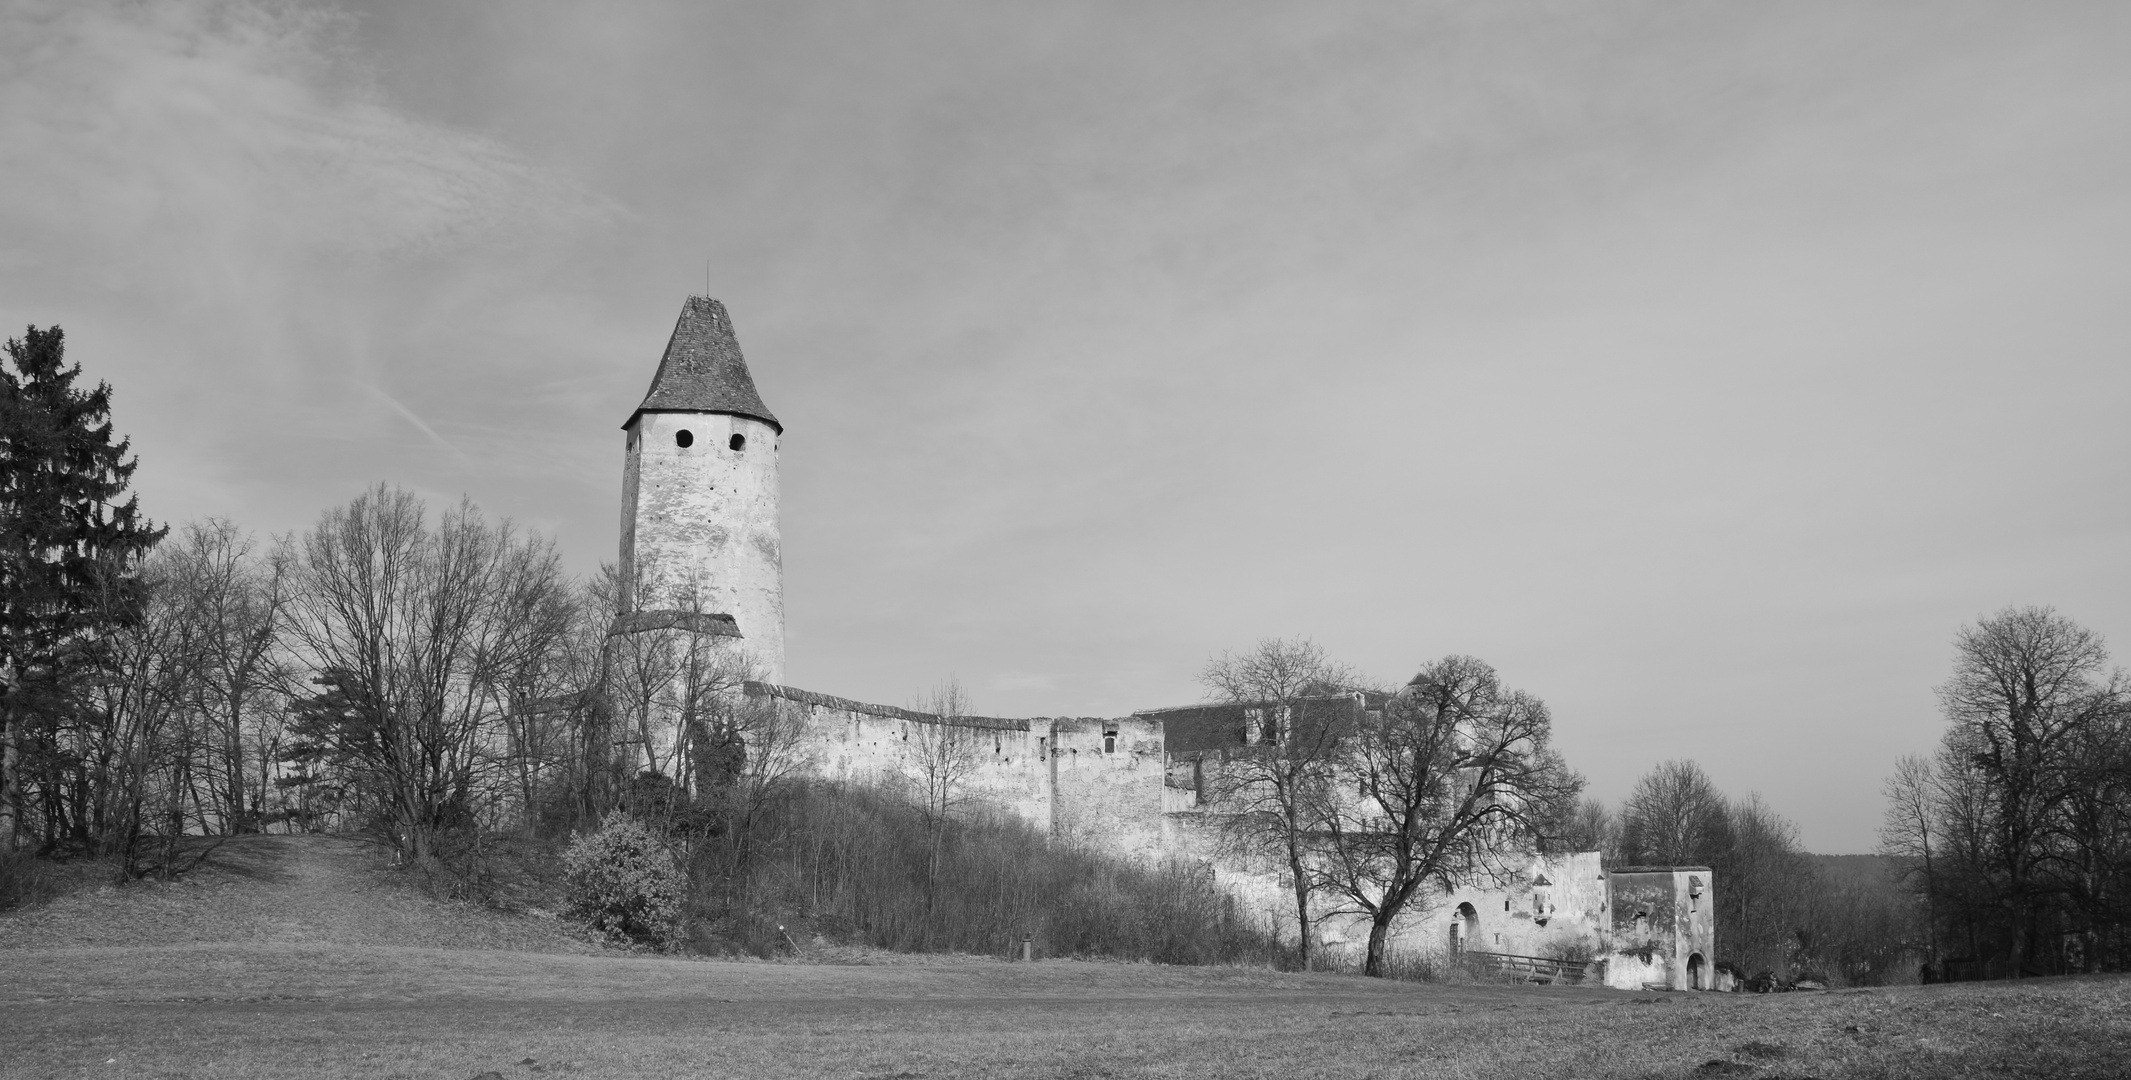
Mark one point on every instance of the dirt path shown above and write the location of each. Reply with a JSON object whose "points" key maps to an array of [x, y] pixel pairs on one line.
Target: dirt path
{"points": [[279, 890]]}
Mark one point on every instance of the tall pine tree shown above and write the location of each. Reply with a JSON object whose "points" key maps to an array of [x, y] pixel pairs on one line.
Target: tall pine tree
{"points": [[68, 546]]}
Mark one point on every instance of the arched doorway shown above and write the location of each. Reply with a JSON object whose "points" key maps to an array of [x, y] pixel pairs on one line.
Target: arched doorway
{"points": [[1697, 973], [1464, 928]]}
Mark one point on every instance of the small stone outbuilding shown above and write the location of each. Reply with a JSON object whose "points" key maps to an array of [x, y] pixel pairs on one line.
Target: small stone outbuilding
{"points": [[1662, 928]]}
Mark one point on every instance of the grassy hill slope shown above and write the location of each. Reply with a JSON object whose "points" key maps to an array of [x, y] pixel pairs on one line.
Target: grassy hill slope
{"points": [[279, 890]]}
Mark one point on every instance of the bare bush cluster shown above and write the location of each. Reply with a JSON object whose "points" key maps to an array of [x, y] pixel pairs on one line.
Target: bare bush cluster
{"points": [[868, 865]]}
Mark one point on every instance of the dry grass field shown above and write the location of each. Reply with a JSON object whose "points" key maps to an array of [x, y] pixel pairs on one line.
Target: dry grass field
{"points": [[294, 960]]}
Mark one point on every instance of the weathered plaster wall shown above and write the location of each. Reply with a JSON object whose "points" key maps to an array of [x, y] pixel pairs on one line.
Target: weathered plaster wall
{"points": [[704, 517], [1694, 896], [1552, 906], [858, 742], [1087, 780], [1109, 782], [1260, 887], [1659, 923]]}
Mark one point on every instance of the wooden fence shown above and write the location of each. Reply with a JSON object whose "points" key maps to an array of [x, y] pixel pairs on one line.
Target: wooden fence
{"points": [[1533, 969]]}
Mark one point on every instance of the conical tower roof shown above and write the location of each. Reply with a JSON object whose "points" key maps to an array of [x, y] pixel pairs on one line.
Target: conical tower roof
{"points": [[703, 370]]}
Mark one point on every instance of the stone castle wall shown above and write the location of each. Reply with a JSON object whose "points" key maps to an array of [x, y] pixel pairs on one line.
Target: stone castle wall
{"points": [[1111, 785], [1085, 779]]}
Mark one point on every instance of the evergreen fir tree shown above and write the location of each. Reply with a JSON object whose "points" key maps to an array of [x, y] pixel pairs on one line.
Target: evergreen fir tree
{"points": [[68, 545]]}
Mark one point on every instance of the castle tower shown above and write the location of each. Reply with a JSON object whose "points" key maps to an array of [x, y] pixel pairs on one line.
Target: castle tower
{"points": [[699, 493]]}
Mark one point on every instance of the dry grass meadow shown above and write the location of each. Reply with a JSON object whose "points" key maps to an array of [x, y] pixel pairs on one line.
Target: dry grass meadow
{"points": [[296, 958]]}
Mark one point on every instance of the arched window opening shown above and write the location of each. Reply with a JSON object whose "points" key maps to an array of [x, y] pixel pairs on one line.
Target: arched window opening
{"points": [[1109, 742], [1696, 977], [684, 438], [737, 442]]}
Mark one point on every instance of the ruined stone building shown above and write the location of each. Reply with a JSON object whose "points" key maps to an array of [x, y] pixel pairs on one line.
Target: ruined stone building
{"points": [[700, 554]]}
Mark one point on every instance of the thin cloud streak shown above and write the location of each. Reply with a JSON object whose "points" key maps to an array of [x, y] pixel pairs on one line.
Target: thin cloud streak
{"points": [[409, 415]]}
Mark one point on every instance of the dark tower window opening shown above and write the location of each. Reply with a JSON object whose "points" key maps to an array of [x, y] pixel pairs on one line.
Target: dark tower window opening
{"points": [[1109, 742], [737, 442], [684, 438]]}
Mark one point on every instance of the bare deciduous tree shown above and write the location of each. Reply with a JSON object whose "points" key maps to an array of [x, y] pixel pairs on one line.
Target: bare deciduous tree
{"points": [[2021, 824], [418, 629], [1269, 794], [757, 749], [130, 735], [1456, 775], [943, 755], [642, 667], [238, 599], [1906, 832], [2027, 682], [1589, 825], [2093, 841], [1674, 816], [942, 758], [559, 719], [1766, 889]]}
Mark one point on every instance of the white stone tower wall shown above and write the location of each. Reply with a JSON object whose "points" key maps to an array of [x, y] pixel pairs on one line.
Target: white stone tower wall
{"points": [[705, 516]]}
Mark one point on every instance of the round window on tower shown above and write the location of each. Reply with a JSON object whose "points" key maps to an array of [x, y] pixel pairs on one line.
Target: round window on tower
{"points": [[684, 438], [738, 442]]}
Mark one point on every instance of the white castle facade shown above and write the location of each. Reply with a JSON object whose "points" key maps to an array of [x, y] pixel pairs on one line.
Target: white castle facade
{"points": [[701, 553]]}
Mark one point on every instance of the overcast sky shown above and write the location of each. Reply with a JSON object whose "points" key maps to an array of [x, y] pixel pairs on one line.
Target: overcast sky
{"points": [[1701, 366]]}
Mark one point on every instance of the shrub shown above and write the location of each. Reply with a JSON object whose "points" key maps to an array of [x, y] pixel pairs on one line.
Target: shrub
{"points": [[625, 886], [25, 881], [1420, 965], [1575, 951]]}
